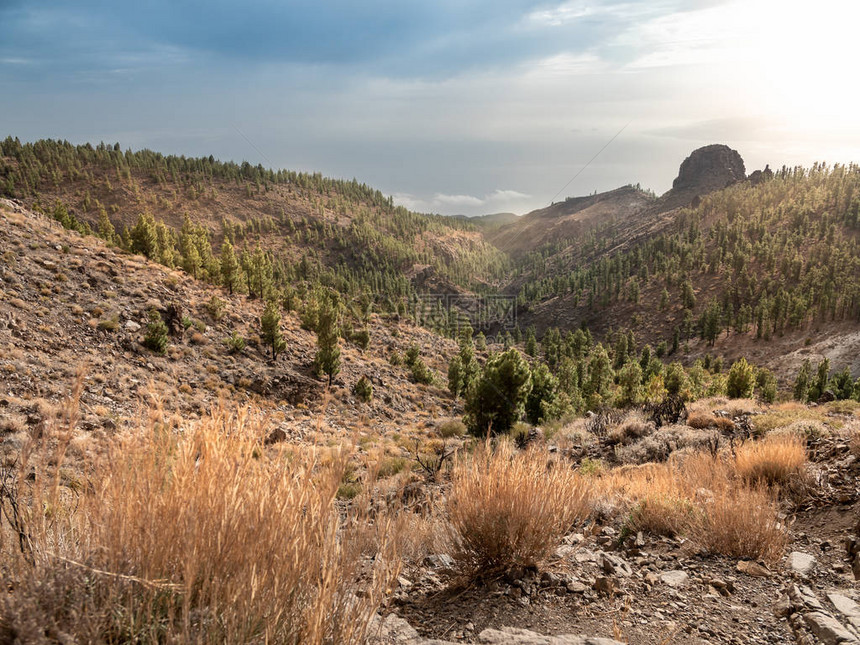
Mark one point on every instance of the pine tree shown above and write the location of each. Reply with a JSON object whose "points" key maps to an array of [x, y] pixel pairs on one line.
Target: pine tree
{"points": [[270, 325], [229, 266], [327, 360], [801, 382]]}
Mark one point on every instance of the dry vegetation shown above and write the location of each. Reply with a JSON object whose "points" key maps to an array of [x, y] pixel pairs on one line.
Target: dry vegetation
{"points": [[192, 534], [510, 509]]}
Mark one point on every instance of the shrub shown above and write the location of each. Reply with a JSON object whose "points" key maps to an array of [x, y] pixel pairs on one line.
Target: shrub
{"points": [[421, 373], [215, 307], [498, 397], [235, 343], [509, 509], [740, 521], [361, 338], [109, 324], [156, 337], [363, 389], [700, 420], [741, 380], [452, 428], [774, 460], [632, 427], [390, 467]]}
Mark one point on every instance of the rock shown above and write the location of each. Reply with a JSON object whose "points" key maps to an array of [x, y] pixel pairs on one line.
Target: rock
{"points": [[675, 578], [753, 569], [614, 565], [828, 630], [439, 561], [801, 563], [847, 607], [275, 436], [392, 630], [710, 168], [132, 326], [514, 636], [605, 586]]}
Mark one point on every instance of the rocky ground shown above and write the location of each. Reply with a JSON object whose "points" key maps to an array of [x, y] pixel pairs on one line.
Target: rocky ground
{"points": [[646, 589]]}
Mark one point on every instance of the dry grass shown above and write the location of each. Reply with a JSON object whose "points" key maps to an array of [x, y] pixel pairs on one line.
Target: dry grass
{"points": [[632, 427], [195, 534], [776, 459], [701, 420], [509, 509], [701, 497]]}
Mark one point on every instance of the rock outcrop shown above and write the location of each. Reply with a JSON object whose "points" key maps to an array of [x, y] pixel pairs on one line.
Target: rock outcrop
{"points": [[710, 168]]}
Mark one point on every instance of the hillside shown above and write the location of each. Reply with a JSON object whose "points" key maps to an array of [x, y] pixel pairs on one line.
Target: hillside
{"points": [[764, 266], [315, 230], [69, 301]]}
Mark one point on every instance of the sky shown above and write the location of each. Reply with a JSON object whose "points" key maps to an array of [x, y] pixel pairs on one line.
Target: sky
{"points": [[451, 106]]}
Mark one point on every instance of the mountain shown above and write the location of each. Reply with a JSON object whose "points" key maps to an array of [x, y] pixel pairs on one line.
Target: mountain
{"points": [[719, 263]]}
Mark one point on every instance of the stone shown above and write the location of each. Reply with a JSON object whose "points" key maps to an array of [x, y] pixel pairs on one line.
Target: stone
{"points": [[847, 607], [615, 565], [515, 636], [605, 586], [828, 630], [675, 578], [801, 563], [439, 561], [753, 569], [132, 326]]}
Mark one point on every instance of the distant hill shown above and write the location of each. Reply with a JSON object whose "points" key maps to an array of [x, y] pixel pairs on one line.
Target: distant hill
{"points": [[719, 261]]}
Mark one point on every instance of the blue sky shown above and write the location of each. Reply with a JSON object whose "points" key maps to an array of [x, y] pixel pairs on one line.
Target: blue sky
{"points": [[454, 107]]}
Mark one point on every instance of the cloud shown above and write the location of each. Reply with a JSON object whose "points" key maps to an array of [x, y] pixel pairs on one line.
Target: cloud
{"points": [[496, 201]]}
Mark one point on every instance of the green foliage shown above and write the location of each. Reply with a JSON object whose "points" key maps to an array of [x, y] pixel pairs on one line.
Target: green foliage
{"points": [[270, 327], [741, 380], [363, 389], [630, 382], [229, 266], [801, 382], [540, 403], [327, 360], [498, 398], [234, 342], [766, 385], [156, 338], [215, 307], [819, 383]]}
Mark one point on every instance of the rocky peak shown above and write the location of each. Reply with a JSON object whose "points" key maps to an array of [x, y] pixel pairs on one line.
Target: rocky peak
{"points": [[710, 168]]}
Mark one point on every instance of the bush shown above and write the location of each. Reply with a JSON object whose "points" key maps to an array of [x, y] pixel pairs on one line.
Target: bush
{"points": [[363, 389], [774, 460], [498, 398], [421, 373], [452, 428], [215, 307], [235, 343], [361, 338], [741, 380], [509, 509], [156, 337]]}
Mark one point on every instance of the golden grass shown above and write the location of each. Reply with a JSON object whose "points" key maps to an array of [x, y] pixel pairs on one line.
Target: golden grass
{"points": [[776, 459], [195, 534], [701, 420], [509, 509], [703, 498]]}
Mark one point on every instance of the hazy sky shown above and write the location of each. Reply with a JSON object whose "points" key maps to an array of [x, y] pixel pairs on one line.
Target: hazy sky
{"points": [[453, 106]]}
